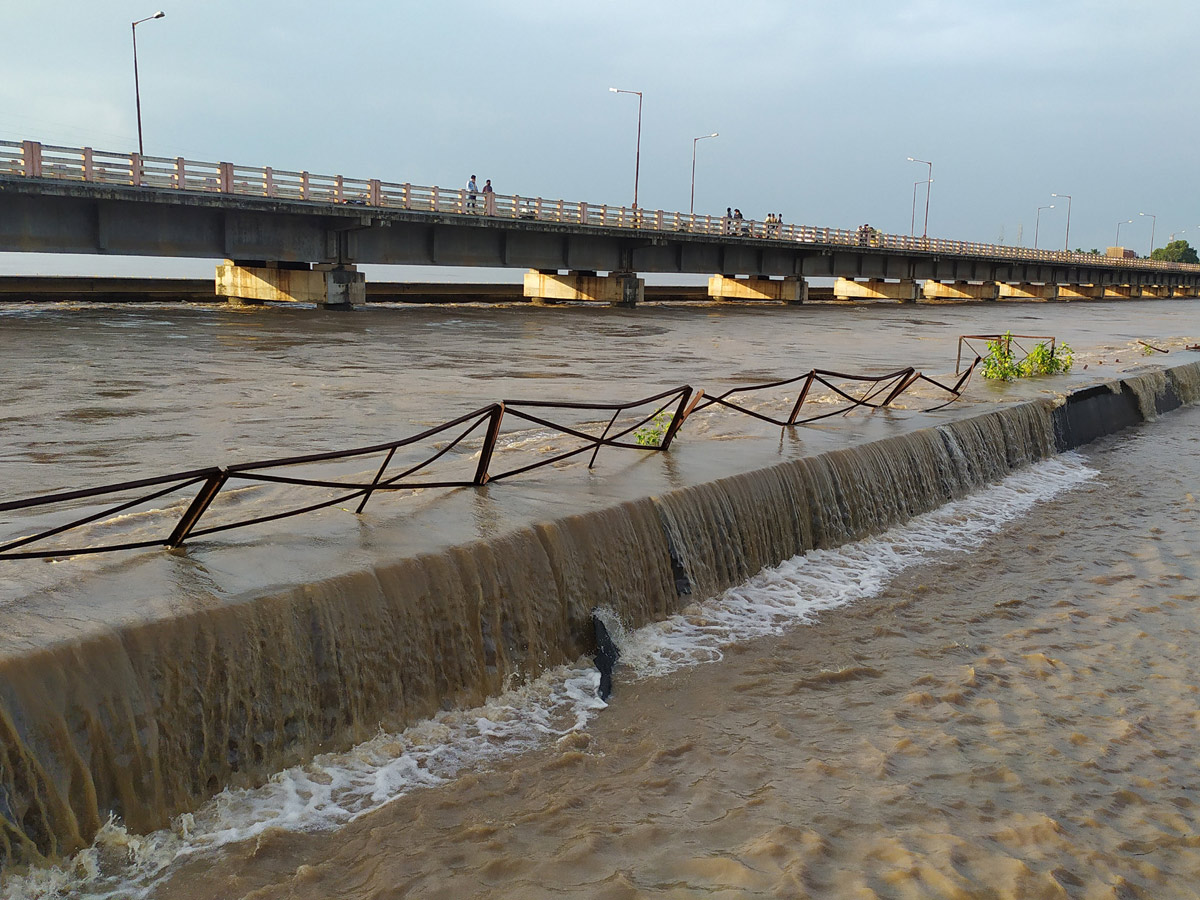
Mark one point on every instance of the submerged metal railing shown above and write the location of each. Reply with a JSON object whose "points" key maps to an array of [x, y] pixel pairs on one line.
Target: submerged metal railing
{"points": [[475, 438], [891, 386], [32, 159]]}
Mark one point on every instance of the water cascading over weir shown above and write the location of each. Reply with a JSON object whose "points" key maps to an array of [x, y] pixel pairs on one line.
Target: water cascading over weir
{"points": [[148, 719]]}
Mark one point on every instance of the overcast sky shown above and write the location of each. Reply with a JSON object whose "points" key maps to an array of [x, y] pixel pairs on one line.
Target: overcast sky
{"points": [[818, 104]]}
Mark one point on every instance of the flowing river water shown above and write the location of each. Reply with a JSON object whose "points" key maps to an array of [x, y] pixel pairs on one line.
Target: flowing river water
{"points": [[983, 695]]}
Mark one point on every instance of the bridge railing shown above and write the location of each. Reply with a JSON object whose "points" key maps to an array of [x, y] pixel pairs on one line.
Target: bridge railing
{"points": [[32, 159]]}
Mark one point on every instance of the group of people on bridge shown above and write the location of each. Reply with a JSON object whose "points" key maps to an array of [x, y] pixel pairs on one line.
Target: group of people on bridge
{"points": [[735, 223], [489, 197]]}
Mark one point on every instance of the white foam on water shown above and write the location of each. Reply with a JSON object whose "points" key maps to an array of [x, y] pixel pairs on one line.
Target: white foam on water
{"points": [[795, 591], [334, 789]]}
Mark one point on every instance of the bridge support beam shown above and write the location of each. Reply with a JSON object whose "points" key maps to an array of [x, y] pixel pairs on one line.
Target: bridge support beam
{"points": [[1023, 291], [617, 288], [323, 284], [960, 290], [1081, 292], [1122, 291], [790, 289], [1186, 290], [904, 290], [1160, 291]]}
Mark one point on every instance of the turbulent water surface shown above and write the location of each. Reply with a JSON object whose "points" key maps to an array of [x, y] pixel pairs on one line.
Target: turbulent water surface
{"points": [[1015, 719], [993, 699]]}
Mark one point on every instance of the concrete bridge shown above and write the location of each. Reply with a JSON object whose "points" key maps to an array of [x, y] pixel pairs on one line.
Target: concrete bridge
{"points": [[288, 235]]}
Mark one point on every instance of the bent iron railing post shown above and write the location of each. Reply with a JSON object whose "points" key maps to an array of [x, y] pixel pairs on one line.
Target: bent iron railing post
{"points": [[902, 385], [603, 437], [495, 417], [802, 397], [367, 493], [207, 493], [677, 419]]}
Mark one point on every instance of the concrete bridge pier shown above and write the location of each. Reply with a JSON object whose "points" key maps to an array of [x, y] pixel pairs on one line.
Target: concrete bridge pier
{"points": [[1024, 291], [904, 290], [548, 286], [261, 281], [789, 289], [1081, 292], [1122, 291], [1160, 291], [960, 290]]}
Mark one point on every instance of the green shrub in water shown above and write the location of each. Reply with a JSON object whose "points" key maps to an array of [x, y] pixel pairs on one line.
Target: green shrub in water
{"points": [[652, 433], [1041, 360]]}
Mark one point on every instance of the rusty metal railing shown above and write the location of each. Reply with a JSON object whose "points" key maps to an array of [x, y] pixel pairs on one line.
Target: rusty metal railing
{"points": [[677, 397], [476, 437], [890, 386]]}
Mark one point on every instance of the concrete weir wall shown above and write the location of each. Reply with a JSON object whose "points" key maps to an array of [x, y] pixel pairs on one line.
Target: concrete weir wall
{"points": [[147, 720]]}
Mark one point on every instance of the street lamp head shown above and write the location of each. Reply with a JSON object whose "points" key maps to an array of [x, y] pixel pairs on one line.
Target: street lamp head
{"points": [[715, 134], [910, 159], [614, 90], [158, 15]]}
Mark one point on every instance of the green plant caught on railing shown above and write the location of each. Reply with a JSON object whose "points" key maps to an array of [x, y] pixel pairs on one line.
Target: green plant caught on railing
{"points": [[652, 433], [1046, 358]]}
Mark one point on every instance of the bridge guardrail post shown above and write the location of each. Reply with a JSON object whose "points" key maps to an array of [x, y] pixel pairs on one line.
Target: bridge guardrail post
{"points": [[226, 181], [180, 176], [31, 154], [407, 195], [88, 168], [303, 185], [376, 195], [269, 181]]}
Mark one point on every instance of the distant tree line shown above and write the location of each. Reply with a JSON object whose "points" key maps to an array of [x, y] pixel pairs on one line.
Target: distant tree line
{"points": [[1176, 251]]}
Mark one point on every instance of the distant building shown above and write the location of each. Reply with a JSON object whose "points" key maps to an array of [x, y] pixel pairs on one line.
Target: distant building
{"points": [[1120, 253]]}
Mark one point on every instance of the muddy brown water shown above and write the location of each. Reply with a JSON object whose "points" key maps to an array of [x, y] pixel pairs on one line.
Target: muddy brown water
{"points": [[1015, 722], [114, 392]]}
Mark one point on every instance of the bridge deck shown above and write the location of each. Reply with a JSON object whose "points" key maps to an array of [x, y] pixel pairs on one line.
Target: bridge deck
{"points": [[81, 200]]}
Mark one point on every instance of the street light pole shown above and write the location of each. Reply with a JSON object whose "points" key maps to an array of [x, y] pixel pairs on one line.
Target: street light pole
{"points": [[637, 160], [137, 91], [928, 182], [1119, 224], [1153, 225], [913, 225], [1037, 224], [696, 140], [1067, 240]]}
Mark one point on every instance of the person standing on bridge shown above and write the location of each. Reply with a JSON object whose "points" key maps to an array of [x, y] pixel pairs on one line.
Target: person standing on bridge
{"points": [[489, 198], [472, 191]]}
